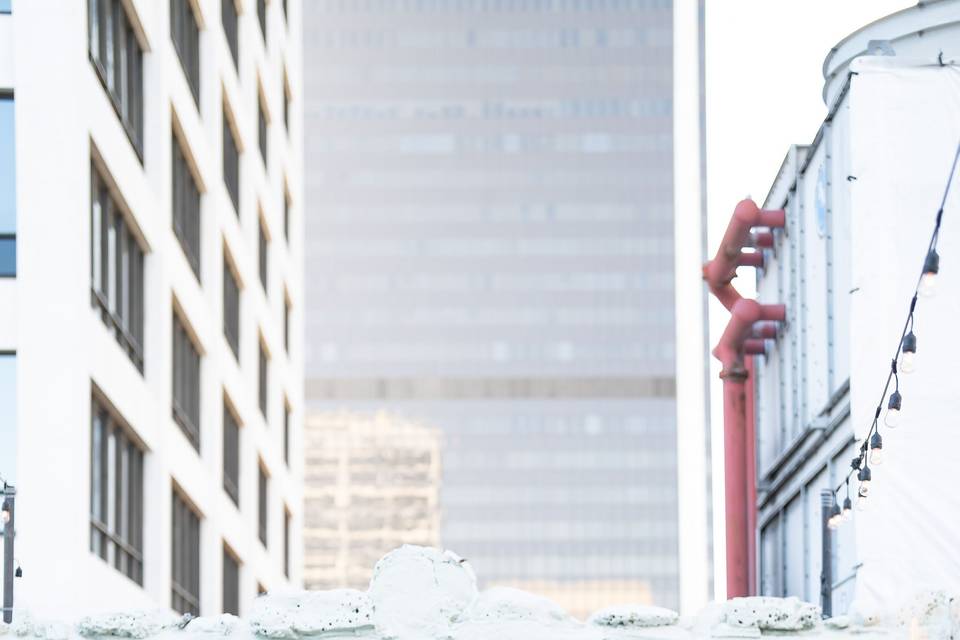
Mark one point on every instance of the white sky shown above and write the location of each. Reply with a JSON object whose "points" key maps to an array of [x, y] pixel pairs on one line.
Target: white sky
{"points": [[764, 82]]}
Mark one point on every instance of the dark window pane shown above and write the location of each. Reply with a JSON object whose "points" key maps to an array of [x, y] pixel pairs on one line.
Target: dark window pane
{"points": [[262, 17], [228, 15], [185, 557], [262, 248], [186, 207], [262, 506], [231, 456], [231, 163], [116, 526], [186, 383], [286, 435], [286, 543], [118, 59], [262, 133], [231, 309], [264, 363], [231, 583], [186, 40], [116, 269]]}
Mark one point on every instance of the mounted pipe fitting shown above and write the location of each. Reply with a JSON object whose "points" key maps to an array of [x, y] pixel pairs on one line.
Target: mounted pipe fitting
{"points": [[751, 324]]}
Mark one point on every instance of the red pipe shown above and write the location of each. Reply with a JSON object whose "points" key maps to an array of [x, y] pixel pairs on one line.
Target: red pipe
{"points": [[751, 323], [750, 435]]}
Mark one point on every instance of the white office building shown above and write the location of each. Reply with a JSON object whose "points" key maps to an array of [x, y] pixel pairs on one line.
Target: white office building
{"points": [[150, 301]]}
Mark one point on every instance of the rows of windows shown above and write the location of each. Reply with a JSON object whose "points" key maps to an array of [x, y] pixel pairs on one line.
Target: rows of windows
{"points": [[420, 6], [530, 109], [566, 37], [117, 510], [448, 144]]}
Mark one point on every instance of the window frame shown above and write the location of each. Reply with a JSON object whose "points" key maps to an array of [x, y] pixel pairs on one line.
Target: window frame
{"points": [[231, 452], [123, 547], [190, 355], [263, 499], [118, 285], [186, 203], [231, 156], [232, 293], [230, 558], [185, 563], [133, 121], [185, 35], [232, 34]]}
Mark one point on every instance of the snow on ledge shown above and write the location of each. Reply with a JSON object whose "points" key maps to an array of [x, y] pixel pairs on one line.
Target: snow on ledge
{"points": [[420, 593]]}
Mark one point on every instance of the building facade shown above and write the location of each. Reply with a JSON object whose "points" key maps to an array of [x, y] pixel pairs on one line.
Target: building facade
{"points": [[152, 296], [860, 204], [372, 484], [491, 234]]}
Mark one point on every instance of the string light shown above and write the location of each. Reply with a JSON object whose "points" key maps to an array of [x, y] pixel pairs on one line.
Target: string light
{"points": [[892, 418], [876, 449], [909, 349], [928, 281], [872, 446]]}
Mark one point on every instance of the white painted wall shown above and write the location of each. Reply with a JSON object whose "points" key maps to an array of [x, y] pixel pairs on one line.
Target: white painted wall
{"points": [[63, 348]]}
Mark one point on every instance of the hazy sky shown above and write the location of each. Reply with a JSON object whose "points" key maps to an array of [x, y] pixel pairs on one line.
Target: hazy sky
{"points": [[764, 82]]}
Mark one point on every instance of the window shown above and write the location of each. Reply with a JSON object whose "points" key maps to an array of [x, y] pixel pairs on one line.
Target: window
{"points": [[8, 190], [286, 324], [262, 248], [185, 556], [286, 542], [286, 103], [231, 455], [264, 363], [286, 217], [262, 123], [116, 269], [286, 433], [116, 493], [231, 159], [231, 307], [262, 505], [186, 40], [186, 382], [262, 18], [231, 580], [186, 207], [118, 60], [286, 16], [228, 15]]}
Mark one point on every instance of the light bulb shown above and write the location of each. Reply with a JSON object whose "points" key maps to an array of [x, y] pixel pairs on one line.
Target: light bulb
{"points": [[865, 476], [835, 516], [876, 449], [892, 419], [928, 285], [847, 509], [909, 348], [908, 362], [928, 281]]}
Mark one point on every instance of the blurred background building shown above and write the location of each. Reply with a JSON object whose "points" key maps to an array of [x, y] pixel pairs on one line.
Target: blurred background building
{"points": [[372, 485], [151, 296], [494, 189]]}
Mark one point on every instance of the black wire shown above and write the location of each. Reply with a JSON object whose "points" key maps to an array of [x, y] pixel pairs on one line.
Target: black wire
{"points": [[908, 323]]}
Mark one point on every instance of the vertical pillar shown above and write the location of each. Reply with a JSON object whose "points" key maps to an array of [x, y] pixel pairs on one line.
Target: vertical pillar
{"points": [[9, 493], [826, 561]]}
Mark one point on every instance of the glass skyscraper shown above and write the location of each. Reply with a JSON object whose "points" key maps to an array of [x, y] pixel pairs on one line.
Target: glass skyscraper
{"points": [[490, 251]]}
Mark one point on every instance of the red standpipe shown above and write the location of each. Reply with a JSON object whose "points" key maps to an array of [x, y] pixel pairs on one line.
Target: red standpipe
{"points": [[750, 324]]}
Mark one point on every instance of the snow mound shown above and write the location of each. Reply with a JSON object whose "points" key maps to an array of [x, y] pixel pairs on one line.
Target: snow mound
{"points": [[633, 615], [136, 624], [316, 614], [772, 614], [506, 603], [420, 592]]}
